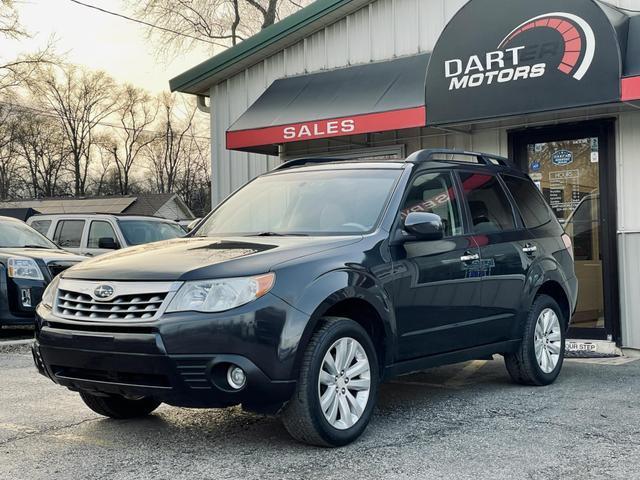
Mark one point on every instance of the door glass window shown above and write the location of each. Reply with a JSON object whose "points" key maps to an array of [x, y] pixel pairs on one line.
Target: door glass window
{"points": [[567, 173], [532, 206], [41, 226], [488, 203], [434, 193], [69, 233], [98, 230]]}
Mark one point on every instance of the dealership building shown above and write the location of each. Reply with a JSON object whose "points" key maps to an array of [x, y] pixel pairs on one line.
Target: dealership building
{"points": [[552, 84]]}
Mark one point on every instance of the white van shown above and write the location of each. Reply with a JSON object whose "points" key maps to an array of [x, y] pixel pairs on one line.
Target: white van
{"points": [[95, 234]]}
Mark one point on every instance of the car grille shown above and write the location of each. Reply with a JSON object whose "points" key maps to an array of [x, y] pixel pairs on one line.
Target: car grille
{"points": [[75, 300]]}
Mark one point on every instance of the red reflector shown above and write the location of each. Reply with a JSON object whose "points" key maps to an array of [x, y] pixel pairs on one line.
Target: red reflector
{"points": [[567, 243]]}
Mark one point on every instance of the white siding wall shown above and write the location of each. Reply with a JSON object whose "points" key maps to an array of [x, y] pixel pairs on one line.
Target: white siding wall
{"points": [[172, 211], [382, 30], [628, 172]]}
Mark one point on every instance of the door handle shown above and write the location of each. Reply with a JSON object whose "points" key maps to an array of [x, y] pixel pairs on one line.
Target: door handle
{"points": [[528, 248], [468, 257]]}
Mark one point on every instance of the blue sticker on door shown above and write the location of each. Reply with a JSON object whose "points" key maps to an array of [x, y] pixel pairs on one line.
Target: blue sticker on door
{"points": [[562, 157]]}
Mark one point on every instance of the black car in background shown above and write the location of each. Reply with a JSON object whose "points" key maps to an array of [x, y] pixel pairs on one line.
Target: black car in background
{"points": [[313, 283], [28, 262]]}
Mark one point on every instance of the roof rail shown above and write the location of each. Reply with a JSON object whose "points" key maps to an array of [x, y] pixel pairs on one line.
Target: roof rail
{"points": [[299, 162], [482, 158]]}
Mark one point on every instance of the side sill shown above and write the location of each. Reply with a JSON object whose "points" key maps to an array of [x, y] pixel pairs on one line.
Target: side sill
{"points": [[409, 366]]}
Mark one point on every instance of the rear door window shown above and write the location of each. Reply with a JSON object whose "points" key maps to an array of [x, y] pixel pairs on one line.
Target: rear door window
{"points": [[532, 206], [69, 233], [490, 209]]}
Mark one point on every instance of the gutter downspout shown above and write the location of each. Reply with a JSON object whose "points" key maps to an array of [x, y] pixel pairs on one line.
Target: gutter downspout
{"points": [[202, 104]]}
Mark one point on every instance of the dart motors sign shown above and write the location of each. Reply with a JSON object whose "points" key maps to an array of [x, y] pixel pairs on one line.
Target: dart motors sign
{"points": [[532, 56]]}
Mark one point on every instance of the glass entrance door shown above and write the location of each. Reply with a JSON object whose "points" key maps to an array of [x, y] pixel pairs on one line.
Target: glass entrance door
{"points": [[567, 173], [574, 167]]}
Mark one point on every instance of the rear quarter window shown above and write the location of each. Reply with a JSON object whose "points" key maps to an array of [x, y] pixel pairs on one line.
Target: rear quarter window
{"points": [[41, 226], [533, 208]]}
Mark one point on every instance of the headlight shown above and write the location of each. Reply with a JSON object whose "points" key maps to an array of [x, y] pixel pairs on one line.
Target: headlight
{"points": [[220, 295], [49, 294], [20, 267]]}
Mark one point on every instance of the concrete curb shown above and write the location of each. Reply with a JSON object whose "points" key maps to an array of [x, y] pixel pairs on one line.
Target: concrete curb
{"points": [[11, 343]]}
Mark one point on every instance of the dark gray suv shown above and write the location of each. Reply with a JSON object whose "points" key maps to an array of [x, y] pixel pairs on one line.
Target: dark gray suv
{"points": [[312, 284]]}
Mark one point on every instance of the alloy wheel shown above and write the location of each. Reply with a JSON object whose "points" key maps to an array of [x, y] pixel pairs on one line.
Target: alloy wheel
{"points": [[344, 383], [547, 340]]}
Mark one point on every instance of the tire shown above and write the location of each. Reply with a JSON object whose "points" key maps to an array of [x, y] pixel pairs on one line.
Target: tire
{"points": [[524, 365], [303, 416], [116, 406]]}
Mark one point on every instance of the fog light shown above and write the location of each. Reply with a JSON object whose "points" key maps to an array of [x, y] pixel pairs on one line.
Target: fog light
{"points": [[25, 297], [236, 377]]}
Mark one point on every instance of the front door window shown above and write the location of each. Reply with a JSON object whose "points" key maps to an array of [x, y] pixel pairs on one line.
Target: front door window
{"points": [[567, 173]]}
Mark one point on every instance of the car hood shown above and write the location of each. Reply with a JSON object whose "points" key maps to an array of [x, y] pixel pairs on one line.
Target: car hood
{"points": [[45, 254], [202, 258]]}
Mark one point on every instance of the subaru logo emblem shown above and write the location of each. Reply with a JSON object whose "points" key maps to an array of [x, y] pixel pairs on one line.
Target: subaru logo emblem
{"points": [[103, 292]]}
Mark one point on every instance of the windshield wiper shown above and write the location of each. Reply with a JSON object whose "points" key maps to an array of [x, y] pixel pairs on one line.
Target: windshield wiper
{"points": [[35, 246], [276, 234]]}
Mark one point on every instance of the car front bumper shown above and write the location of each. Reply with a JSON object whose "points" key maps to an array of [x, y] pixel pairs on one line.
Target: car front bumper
{"points": [[180, 359], [12, 309]]}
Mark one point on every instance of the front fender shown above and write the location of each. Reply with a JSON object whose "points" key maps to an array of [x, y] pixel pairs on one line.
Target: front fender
{"points": [[339, 285]]}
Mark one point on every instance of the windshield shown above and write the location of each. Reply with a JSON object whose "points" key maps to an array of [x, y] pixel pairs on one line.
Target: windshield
{"points": [[137, 232], [20, 235], [305, 203]]}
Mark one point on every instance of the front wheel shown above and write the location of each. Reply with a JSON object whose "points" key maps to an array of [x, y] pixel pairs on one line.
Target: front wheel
{"points": [[337, 386], [539, 357], [117, 406]]}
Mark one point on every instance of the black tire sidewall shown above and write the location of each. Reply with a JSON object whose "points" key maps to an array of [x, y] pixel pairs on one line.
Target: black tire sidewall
{"points": [[543, 302], [342, 328]]}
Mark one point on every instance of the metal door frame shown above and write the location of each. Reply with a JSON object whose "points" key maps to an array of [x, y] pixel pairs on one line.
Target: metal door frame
{"points": [[605, 131]]}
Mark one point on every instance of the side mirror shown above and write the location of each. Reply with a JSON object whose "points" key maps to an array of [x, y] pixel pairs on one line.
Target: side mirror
{"points": [[108, 243], [424, 226], [193, 224]]}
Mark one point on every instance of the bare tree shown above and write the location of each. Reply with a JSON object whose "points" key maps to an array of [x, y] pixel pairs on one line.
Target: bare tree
{"points": [[220, 23], [103, 178], [178, 159], [137, 112], [82, 100], [10, 22], [41, 145], [9, 168], [19, 71], [194, 182], [166, 153]]}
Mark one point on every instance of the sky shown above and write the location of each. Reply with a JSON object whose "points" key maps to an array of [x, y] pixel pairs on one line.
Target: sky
{"points": [[98, 41]]}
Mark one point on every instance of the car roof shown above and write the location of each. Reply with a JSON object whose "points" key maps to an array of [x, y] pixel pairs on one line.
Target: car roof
{"points": [[431, 158], [100, 215]]}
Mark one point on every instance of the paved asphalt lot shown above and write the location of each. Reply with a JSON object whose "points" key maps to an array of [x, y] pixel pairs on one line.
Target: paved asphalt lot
{"points": [[459, 422]]}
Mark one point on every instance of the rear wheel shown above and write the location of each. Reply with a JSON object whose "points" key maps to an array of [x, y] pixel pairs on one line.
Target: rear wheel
{"points": [[539, 357], [337, 386], [117, 406]]}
